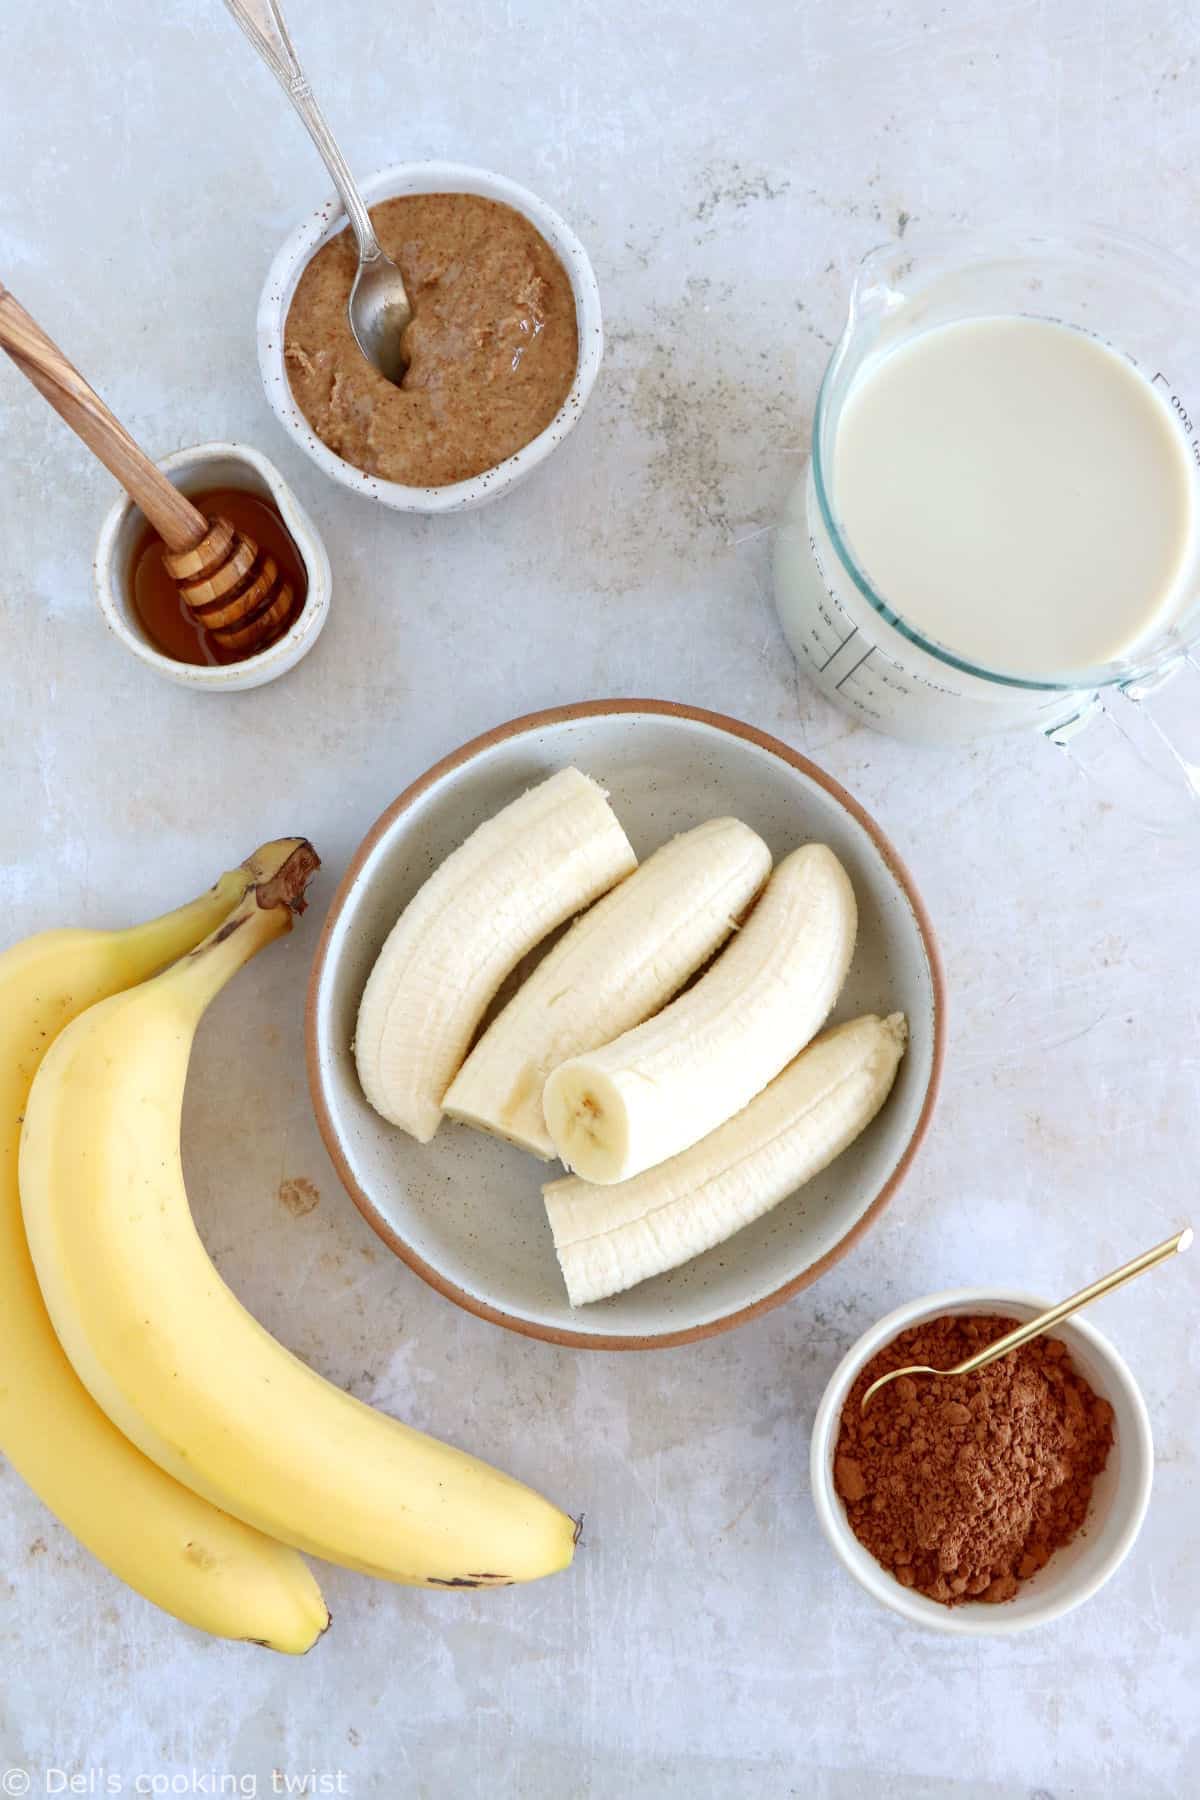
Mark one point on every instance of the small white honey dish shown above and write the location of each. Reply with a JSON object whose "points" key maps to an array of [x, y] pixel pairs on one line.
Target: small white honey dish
{"points": [[196, 470]]}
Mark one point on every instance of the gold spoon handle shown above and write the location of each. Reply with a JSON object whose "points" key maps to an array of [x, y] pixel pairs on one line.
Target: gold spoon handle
{"points": [[1012, 1340]]}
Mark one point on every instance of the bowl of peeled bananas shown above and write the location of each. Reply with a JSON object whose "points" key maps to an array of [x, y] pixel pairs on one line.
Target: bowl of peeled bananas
{"points": [[626, 1022]]}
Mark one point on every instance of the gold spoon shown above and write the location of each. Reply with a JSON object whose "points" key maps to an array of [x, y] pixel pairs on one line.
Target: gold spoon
{"points": [[1012, 1340]]}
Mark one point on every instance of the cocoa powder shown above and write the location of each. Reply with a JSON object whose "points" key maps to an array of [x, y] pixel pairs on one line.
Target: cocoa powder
{"points": [[964, 1487]]}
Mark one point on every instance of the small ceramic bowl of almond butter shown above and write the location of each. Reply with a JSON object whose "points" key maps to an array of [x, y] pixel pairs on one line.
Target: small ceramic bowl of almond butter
{"points": [[504, 348], [981, 1504]]}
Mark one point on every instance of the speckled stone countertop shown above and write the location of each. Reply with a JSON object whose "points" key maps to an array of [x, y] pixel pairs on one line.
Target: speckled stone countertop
{"points": [[726, 172]]}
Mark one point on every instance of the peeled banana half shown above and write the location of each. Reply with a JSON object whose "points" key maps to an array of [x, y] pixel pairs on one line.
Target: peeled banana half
{"points": [[652, 1092], [626, 957], [610, 1238], [521, 874]]}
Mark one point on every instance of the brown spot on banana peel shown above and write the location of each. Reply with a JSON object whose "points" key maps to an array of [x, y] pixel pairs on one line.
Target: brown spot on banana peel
{"points": [[468, 1581], [225, 931], [264, 1645]]}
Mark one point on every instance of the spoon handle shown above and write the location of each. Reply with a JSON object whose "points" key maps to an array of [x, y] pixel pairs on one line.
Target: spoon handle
{"points": [[263, 23], [180, 525], [1032, 1328]]}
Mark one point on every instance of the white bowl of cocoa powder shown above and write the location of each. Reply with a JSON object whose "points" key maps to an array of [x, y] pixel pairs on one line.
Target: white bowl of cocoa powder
{"points": [[982, 1505]]}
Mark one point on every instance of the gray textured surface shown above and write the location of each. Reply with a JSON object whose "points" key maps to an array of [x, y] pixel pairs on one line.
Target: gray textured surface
{"points": [[725, 175]]}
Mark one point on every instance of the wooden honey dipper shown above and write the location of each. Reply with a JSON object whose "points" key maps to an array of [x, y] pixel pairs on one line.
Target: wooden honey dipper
{"points": [[230, 587]]}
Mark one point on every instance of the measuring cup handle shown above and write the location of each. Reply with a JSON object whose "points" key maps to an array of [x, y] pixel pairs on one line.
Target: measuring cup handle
{"points": [[1139, 745]]}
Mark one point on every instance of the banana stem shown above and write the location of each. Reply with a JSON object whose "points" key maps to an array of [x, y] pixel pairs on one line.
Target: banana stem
{"points": [[291, 861], [274, 880], [151, 945]]}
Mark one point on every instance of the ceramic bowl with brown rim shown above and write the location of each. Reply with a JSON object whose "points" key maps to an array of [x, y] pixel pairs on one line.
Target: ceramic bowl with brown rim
{"points": [[465, 1211]]}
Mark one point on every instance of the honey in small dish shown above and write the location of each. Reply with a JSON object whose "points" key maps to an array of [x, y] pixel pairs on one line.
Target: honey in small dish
{"points": [[161, 612]]}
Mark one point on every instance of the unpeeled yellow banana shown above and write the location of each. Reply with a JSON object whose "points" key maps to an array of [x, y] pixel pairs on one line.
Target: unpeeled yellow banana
{"points": [[175, 1360], [177, 1549]]}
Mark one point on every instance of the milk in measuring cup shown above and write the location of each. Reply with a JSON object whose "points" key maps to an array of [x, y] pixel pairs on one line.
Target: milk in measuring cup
{"points": [[1013, 491]]}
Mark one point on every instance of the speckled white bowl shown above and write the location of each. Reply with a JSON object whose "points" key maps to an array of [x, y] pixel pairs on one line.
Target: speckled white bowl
{"points": [[466, 1211], [326, 223], [213, 466], [1119, 1498]]}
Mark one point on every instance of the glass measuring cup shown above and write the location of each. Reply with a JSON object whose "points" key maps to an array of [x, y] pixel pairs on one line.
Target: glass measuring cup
{"points": [[1135, 715]]}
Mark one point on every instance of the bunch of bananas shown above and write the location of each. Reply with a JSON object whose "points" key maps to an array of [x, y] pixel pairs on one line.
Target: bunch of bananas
{"points": [[164, 1426]]}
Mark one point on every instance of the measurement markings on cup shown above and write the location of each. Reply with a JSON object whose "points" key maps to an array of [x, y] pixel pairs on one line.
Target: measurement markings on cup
{"points": [[838, 651], [856, 667], [1182, 414]]}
